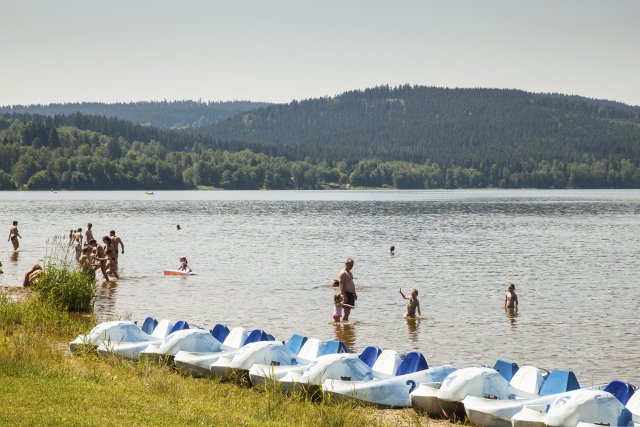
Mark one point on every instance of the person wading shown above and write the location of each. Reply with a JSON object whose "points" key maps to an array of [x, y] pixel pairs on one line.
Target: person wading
{"points": [[347, 287]]}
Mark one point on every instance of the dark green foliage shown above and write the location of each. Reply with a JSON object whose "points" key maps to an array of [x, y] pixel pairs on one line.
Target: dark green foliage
{"points": [[73, 290], [164, 114], [464, 127], [406, 137]]}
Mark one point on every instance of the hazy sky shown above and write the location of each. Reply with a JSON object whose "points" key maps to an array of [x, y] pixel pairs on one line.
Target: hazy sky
{"points": [[269, 50]]}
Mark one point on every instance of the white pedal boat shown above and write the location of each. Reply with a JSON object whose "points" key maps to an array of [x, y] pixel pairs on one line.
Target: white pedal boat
{"points": [[120, 331], [263, 373], [583, 407], [198, 364], [132, 349], [633, 406], [495, 409], [443, 399], [194, 340], [272, 353], [383, 385]]}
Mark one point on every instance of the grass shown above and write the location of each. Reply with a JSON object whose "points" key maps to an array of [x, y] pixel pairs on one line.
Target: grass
{"points": [[41, 384]]}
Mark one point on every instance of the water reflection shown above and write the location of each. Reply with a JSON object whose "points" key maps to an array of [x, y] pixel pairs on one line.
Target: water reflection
{"points": [[345, 332], [106, 298], [14, 256], [413, 324], [511, 314]]}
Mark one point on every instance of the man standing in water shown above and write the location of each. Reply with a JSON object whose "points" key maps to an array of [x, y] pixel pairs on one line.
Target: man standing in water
{"points": [[13, 236], [347, 287], [117, 242], [88, 235]]}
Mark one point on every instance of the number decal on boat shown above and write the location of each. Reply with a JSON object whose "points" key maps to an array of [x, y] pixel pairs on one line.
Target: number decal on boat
{"points": [[412, 385]]}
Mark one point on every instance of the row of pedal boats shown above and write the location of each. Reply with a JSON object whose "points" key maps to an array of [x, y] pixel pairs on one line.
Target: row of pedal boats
{"points": [[503, 395]]}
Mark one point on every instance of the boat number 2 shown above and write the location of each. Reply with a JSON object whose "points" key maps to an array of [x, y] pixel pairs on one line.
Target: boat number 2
{"points": [[411, 383], [561, 402]]}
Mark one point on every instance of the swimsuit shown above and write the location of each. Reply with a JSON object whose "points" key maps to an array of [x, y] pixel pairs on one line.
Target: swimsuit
{"points": [[350, 298], [337, 315]]}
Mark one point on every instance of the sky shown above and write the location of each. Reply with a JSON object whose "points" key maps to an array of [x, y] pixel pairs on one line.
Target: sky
{"points": [[284, 50]]}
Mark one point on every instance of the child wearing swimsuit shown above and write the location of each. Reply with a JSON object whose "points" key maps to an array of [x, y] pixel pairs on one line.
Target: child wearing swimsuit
{"points": [[337, 302], [414, 304]]}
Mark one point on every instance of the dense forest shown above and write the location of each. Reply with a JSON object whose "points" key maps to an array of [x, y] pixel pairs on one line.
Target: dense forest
{"points": [[474, 139], [161, 114], [463, 127]]}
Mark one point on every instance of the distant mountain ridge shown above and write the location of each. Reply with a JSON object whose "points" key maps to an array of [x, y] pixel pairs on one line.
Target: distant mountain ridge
{"points": [[447, 126], [162, 114]]}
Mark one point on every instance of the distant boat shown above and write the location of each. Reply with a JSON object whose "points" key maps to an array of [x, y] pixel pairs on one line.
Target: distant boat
{"points": [[149, 193]]}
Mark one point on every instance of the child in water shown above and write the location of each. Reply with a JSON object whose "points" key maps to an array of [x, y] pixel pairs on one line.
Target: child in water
{"points": [[414, 304], [184, 265], [339, 304]]}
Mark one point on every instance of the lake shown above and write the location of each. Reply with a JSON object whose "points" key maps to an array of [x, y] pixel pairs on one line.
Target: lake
{"points": [[266, 259]]}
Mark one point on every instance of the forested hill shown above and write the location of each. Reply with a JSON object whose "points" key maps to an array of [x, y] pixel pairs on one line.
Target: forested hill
{"points": [[407, 137], [162, 114], [466, 127]]}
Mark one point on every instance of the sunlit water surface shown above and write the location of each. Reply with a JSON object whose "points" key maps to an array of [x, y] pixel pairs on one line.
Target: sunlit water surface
{"points": [[266, 258]]}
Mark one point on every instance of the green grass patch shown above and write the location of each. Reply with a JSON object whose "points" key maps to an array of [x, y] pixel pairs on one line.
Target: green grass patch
{"points": [[41, 384]]}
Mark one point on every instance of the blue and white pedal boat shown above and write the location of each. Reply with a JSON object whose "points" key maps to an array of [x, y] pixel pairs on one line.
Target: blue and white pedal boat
{"points": [[194, 340], [633, 406], [271, 353], [497, 409], [120, 331], [263, 373], [198, 364], [443, 399], [587, 406], [384, 387], [132, 349]]}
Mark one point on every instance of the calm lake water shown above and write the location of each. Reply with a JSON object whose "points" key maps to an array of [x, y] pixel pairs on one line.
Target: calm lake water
{"points": [[266, 259]]}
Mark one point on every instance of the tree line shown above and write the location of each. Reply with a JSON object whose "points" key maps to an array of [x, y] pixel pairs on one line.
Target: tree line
{"points": [[162, 114], [39, 153]]}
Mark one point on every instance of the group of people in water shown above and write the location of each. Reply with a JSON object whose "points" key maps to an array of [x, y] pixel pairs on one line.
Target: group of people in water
{"points": [[344, 301], [92, 256]]}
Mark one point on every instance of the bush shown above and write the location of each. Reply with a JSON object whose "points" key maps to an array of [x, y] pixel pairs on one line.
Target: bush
{"points": [[71, 289]]}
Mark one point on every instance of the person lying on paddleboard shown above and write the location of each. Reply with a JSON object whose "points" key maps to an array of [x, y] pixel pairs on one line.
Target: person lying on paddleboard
{"points": [[184, 265]]}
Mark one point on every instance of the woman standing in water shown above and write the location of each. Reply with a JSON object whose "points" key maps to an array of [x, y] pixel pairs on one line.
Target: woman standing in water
{"points": [[511, 299], [13, 236]]}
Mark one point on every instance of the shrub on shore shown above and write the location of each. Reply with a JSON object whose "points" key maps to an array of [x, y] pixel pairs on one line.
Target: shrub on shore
{"points": [[72, 290], [61, 282]]}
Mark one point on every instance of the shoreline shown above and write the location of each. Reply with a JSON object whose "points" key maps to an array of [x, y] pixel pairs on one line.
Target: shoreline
{"points": [[17, 293]]}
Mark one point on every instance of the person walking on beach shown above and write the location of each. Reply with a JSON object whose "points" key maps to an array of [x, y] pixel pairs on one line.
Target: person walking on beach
{"points": [[347, 288], [414, 304], [511, 299], [13, 236]]}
